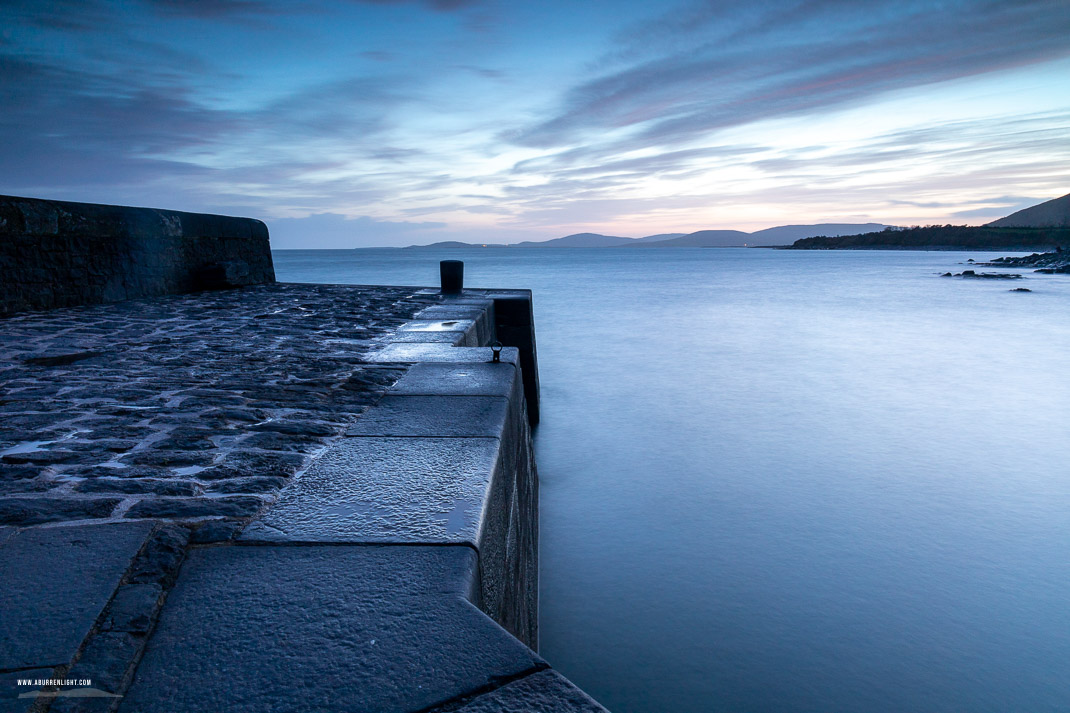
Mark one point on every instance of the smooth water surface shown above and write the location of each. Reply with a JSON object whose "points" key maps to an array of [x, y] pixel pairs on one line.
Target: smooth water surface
{"points": [[790, 481]]}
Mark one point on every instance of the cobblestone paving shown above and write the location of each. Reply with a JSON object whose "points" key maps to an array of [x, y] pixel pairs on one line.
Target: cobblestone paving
{"points": [[184, 407]]}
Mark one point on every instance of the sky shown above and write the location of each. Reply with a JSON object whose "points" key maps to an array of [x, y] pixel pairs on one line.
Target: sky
{"points": [[355, 123]]}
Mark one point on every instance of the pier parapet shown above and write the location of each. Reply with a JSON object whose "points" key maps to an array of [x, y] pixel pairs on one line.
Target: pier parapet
{"points": [[63, 254]]}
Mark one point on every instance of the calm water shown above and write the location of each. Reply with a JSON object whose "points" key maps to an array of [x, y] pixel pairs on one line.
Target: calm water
{"points": [[783, 481]]}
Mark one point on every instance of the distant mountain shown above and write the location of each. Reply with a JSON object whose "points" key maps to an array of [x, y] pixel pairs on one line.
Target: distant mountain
{"points": [[788, 234], [578, 240], [1049, 214], [781, 235], [700, 239], [458, 244], [659, 237]]}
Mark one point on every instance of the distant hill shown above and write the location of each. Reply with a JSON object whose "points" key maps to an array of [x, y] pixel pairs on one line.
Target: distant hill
{"points": [[781, 235], [1049, 214], [458, 244], [659, 237], [700, 239], [788, 234], [578, 240], [947, 237]]}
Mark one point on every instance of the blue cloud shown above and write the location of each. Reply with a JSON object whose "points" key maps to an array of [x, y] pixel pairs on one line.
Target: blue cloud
{"points": [[332, 230], [731, 65]]}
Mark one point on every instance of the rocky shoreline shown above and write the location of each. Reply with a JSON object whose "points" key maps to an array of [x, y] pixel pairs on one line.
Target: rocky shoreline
{"points": [[1050, 263]]}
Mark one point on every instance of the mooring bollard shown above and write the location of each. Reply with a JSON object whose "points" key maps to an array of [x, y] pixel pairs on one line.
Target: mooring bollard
{"points": [[452, 274]]}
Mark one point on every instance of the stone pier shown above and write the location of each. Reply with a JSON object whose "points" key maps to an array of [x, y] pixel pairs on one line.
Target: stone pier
{"points": [[276, 497]]}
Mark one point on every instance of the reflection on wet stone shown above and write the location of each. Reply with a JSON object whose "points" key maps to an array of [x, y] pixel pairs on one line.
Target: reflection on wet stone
{"points": [[189, 406]]}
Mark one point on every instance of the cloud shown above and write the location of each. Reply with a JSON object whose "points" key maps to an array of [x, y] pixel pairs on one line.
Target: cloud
{"points": [[212, 9], [585, 162], [999, 207], [340, 110], [68, 15], [444, 5], [64, 127], [735, 64], [332, 230], [215, 9]]}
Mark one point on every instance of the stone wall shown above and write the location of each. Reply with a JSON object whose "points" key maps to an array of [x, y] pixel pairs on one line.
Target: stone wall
{"points": [[61, 254], [444, 458]]}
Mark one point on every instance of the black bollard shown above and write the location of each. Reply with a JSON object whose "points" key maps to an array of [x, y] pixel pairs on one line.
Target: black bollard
{"points": [[452, 274]]}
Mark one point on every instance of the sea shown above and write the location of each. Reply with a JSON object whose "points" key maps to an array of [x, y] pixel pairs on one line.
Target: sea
{"points": [[790, 481]]}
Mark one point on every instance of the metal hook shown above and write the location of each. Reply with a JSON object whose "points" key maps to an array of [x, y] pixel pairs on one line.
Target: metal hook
{"points": [[496, 347]]}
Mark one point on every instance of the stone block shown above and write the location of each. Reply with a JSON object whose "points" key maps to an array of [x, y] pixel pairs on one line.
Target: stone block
{"points": [[167, 458], [37, 510], [382, 629], [405, 353], [457, 332], [456, 339], [107, 659], [451, 311], [43, 457], [546, 691], [133, 607], [40, 485], [523, 338], [159, 560], [223, 274], [212, 531], [261, 484], [135, 486], [434, 416], [477, 379], [55, 582], [297, 428], [290, 443], [362, 489], [513, 311], [176, 508], [242, 463], [429, 325], [482, 315]]}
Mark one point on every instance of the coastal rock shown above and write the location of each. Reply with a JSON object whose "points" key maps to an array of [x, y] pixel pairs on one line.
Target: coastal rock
{"points": [[1057, 260], [989, 275]]}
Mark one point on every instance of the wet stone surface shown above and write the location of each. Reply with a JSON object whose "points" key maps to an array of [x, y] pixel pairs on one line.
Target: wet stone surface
{"points": [[185, 407]]}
